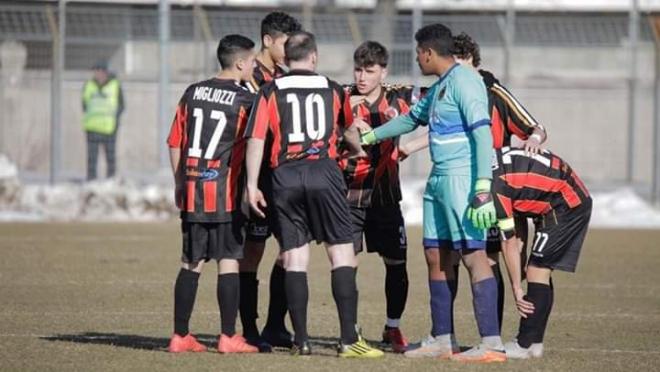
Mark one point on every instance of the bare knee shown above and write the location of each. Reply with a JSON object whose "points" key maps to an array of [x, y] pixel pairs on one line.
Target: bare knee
{"points": [[477, 264], [341, 255], [537, 274], [196, 267], [434, 264], [296, 259]]}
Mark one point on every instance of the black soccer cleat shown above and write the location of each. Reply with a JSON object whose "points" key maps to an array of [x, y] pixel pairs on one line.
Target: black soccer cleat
{"points": [[302, 349], [260, 343], [277, 338]]}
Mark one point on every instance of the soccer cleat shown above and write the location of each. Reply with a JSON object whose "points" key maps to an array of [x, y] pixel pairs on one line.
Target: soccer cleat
{"points": [[480, 354], [302, 349], [184, 344], [515, 351], [359, 349], [277, 338], [394, 337], [259, 343], [431, 347], [235, 344]]}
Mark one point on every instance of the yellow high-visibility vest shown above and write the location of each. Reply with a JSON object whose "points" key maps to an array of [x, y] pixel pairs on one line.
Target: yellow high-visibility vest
{"points": [[102, 104]]}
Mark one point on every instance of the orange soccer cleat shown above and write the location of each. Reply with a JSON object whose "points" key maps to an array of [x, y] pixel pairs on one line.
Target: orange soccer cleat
{"points": [[184, 344], [235, 344]]}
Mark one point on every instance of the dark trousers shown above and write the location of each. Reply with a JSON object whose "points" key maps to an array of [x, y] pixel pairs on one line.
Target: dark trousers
{"points": [[94, 141]]}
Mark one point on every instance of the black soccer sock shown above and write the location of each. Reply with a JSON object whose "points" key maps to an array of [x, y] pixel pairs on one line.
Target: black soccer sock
{"points": [[453, 288], [249, 293], [532, 328], [277, 307], [228, 293], [185, 290], [297, 294], [551, 301], [344, 291], [396, 289], [500, 293]]}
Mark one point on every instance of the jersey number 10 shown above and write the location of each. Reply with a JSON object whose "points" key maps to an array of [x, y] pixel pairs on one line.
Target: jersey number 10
{"points": [[221, 122], [314, 127]]}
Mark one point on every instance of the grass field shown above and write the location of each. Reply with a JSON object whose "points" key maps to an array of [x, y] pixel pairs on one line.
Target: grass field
{"points": [[99, 297]]}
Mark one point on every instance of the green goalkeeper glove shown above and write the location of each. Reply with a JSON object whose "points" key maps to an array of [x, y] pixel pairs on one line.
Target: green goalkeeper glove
{"points": [[482, 208], [368, 138]]}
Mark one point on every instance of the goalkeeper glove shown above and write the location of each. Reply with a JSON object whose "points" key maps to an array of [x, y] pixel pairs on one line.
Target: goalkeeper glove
{"points": [[482, 208], [368, 138]]}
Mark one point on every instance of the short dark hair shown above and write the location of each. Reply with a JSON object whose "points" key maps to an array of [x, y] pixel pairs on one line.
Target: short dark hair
{"points": [[437, 37], [229, 46], [277, 23], [465, 47], [370, 53], [299, 45]]}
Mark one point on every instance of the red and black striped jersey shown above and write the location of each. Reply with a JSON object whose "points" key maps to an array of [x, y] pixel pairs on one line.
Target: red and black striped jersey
{"points": [[301, 115], [262, 75], [533, 186], [508, 116], [209, 128], [374, 181]]}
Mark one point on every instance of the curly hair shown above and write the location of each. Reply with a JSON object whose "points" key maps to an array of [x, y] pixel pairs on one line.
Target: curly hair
{"points": [[276, 23], [465, 47]]}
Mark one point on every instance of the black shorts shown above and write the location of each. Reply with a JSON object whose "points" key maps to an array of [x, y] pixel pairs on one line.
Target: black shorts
{"points": [[207, 241], [259, 229], [383, 230], [309, 198], [494, 238], [559, 237]]}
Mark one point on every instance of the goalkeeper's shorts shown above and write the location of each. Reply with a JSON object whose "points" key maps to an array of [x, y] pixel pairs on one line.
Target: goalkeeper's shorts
{"points": [[446, 200]]}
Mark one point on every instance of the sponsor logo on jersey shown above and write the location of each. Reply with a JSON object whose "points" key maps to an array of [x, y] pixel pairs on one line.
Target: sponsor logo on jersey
{"points": [[208, 174]]}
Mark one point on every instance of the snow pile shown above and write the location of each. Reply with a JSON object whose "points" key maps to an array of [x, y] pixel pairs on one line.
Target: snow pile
{"points": [[104, 200]]}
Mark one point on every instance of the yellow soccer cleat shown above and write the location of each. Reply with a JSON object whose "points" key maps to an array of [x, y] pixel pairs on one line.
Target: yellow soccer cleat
{"points": [[359, 349]]}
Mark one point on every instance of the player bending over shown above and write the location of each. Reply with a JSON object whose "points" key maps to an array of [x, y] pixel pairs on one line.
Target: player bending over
{"points": [[457, 204], [545, 188], [207, 149]]}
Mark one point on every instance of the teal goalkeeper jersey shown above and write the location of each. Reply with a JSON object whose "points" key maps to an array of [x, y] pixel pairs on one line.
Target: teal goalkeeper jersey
{"points": [[453, 107]]}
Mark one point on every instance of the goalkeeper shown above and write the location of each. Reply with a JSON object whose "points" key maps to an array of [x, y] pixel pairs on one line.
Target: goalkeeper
{"points": [[457, 202]]}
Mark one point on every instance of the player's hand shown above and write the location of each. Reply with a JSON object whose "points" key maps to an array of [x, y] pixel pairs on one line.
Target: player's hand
{"points": [[533, 145], [524, 307], [361, 125], [357, 155], [368, 138], [403, 153], [257, 202], [482, 208]]}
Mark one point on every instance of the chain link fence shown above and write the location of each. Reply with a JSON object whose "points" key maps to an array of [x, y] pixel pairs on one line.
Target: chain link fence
{"points": [[571, 70]]}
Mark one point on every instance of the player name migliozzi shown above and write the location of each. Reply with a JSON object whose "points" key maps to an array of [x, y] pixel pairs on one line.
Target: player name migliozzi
{"points": [[214, 95]]}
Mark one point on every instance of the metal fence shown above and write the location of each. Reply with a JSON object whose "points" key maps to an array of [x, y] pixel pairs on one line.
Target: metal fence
{"points": [[572, 70]]}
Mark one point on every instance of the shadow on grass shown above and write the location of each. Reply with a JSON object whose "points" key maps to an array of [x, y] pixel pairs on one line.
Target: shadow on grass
{"points": [[139, 342]]}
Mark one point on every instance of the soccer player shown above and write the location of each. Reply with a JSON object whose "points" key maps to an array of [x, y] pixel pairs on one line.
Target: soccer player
{"points": [[275, 29], [374, 192], [457, 203], [543, 187], [508, 118], [207, 149], [305, 114]]}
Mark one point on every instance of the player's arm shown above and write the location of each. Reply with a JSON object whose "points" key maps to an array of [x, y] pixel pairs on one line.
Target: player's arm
{"points": [[511, 246], [402, 124], [413, 146], [473, 104], [522, 123], [175, 142], [350, 126], [256, 130]]}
